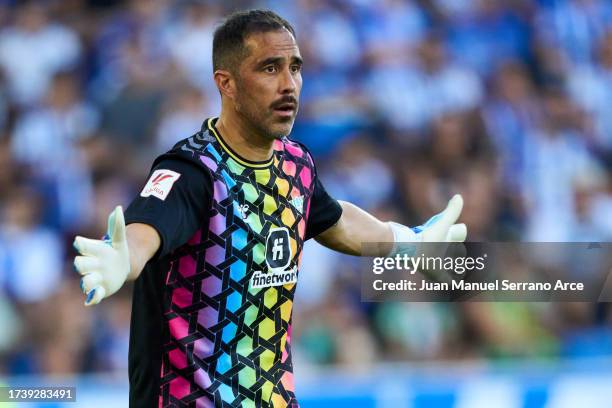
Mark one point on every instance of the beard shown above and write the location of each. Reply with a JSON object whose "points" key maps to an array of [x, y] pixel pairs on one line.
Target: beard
{"points": [[262, 120]]}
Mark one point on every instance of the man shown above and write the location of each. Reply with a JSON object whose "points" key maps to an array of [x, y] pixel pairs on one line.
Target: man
{"points": [[215, 238]]}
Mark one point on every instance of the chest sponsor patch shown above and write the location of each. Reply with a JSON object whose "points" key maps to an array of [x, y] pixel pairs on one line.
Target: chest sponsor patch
{"points": [[278, 257], [276, 278], [160, 184]]}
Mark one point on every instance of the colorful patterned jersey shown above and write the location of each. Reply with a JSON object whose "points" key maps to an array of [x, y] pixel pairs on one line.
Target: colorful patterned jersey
{"points": [[211, 320]]}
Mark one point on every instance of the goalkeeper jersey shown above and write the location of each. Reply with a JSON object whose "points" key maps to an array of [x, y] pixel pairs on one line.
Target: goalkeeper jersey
{"points": [[211, 312]]}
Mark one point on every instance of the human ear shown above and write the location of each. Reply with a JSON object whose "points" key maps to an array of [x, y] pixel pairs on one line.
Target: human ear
{"points": [[225, 83]]}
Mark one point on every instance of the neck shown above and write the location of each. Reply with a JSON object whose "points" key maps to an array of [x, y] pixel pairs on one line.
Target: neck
{"points": [[243, 139]]}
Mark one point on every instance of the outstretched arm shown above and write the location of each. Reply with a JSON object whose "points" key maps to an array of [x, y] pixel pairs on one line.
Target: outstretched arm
{"points": [[161, 218], [356, 227], [143, 243]]}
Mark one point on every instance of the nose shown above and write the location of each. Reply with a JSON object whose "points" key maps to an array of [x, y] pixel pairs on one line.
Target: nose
{"points": [[287, 82]]}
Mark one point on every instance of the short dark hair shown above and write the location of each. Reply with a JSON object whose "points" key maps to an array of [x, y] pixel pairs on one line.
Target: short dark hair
{"points": [[228, 41]]}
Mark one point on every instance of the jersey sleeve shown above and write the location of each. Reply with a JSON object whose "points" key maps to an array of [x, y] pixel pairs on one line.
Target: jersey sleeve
{"points": [[174, 201], [325, 211]]}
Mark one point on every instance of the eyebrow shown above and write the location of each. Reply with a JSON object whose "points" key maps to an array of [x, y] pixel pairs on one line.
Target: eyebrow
{"points": [[278, 60]]}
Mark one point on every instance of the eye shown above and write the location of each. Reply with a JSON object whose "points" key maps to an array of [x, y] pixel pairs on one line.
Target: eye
{"points": [[296, 68], [270, 69]]}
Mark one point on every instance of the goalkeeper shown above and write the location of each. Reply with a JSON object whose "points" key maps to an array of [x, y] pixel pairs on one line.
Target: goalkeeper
{"points": [[215, 238]]}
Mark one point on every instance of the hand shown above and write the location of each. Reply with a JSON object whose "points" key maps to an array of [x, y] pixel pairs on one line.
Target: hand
{"points": [[104, 264], [438, 231], [439, 228]]}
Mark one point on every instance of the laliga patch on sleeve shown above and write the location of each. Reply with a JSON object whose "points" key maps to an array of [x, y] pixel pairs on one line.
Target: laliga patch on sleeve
{"points": [[160, 183]]}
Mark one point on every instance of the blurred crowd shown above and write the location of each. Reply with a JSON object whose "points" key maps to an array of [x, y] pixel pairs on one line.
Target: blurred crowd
{"points": [[404, 103]]}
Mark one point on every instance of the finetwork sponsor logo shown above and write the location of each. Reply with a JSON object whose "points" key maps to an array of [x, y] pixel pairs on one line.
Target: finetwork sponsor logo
{"points": [[275, 278], [160, 183], [278, 249], [278, 258]]}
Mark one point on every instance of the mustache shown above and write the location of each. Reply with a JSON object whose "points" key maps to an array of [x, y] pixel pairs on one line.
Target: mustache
{"points": [[284, 101]]}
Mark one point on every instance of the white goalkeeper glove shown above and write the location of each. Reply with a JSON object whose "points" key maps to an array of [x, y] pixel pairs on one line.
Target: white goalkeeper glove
{"points": [[439, 228], [104, 264]]}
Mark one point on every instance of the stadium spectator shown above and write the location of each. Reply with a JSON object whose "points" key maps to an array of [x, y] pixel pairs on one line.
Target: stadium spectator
{"points": [[33, 50], [507, 102]]}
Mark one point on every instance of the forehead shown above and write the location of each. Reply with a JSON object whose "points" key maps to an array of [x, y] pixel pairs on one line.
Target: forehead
{"points": [[278, 43]]}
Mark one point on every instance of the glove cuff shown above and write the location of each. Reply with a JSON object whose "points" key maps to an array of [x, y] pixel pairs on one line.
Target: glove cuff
{"points": [[403, 236]]}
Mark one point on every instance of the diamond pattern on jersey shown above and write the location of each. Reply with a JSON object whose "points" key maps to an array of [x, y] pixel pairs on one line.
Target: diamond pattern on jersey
{"points": [[229, 344]]}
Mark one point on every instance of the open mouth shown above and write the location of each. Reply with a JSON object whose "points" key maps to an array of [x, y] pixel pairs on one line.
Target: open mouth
{"points": [[286, 109]]}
